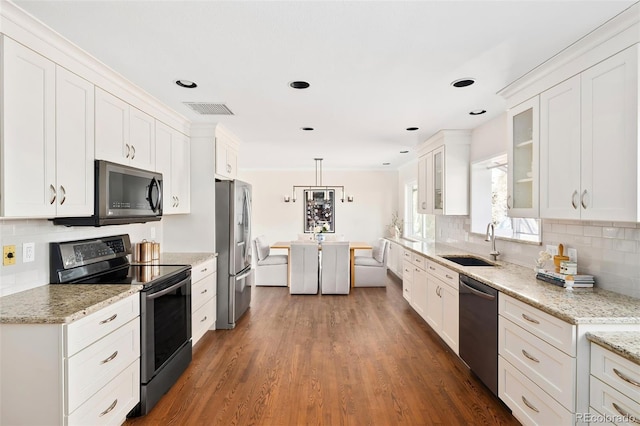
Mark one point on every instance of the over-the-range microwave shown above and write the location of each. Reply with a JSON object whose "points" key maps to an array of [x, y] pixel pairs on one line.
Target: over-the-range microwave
{"points": [[123, 194]]}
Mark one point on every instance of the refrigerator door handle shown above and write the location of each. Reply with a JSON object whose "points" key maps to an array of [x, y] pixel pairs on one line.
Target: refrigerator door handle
{"points": [[245, 275]]}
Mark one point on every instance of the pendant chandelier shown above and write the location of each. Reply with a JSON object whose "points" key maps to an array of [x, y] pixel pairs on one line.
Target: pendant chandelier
{"points": [[319, 187]]}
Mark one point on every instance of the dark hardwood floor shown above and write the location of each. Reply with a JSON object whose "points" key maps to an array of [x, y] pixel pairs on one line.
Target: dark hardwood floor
{"points": [[362, 359]]}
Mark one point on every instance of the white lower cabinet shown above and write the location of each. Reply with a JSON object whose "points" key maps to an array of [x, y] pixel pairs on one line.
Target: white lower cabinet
{"points": [[407, 276], [419, 286], [85, 372], [203, 299], [537, 364], [396, 258], [614, 388], [442, 303]]}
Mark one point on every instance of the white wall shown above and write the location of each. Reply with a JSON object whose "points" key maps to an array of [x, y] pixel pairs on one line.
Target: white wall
{"points": [[366, 219], [24, 276]]}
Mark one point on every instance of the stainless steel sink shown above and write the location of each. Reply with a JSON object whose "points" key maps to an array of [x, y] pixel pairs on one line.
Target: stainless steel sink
{"points": [[468, 260]]}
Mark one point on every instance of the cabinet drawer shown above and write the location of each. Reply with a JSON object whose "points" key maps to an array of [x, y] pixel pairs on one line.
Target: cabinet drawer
{"points": [[597, 418], [202, 269], [407, 270], [202, 320], [552, 330], [93, 327], [407, 255], [419, 261], [548, 367], [615, 406], [110, 405], [445, 274], [528, 403], [202, 291], [614, 370], [92, 368]]}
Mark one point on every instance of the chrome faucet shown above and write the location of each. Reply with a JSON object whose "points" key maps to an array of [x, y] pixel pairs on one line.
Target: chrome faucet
{"points": [[491, 237]]}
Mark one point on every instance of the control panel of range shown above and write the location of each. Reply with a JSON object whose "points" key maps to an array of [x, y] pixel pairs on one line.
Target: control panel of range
{"points": [[78, 253]]}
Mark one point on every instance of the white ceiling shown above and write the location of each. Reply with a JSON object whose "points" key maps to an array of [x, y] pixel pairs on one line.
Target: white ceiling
{"points": [[375, 67]]}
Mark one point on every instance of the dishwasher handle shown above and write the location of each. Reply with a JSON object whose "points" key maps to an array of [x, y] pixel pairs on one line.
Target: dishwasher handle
{"points": [[478, 292]]}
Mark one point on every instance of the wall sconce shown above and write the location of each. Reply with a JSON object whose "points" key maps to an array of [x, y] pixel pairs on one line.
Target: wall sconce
{"points": [[350, 198], [287, 199]]}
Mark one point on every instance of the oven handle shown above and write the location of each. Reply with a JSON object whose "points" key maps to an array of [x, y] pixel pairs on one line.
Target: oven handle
{"points": [[167, 290], [245, 275]]}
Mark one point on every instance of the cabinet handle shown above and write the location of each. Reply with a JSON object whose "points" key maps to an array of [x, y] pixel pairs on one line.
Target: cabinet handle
{"points": [[424, 205], [111, 407], [53, 194], [228, 168], [111, 318], [625, 378], [204, 270], [432, 268], [448, 276], [628, 416], [531, 357], [133, 152], [64, 194], [113, 355], [128, 150], [528, 318], [203, 319], [177, 201], [528, 404], [573, 199], [584, 204], [204, 291], [509, 202]]}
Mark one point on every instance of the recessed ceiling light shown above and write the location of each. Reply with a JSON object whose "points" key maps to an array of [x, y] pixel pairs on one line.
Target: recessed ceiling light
{"points": [[478, 112], [403, 152], [412, 129], [386, 164], [463, 82], [299, 84], [306, 129], [186, 84]]}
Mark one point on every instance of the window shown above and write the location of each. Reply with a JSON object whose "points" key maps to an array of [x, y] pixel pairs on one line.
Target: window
{"points": [[489, 203], [417, 226]]}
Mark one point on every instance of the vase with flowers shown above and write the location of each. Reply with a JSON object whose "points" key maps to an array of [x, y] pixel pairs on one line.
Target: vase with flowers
{"points": [[543, 257], [319, 231], [395, 229]]}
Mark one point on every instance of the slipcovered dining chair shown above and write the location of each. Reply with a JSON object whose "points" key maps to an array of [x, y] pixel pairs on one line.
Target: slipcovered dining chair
{"points": [[334, 268], [304, 267], [371, 271], [271, 269]]}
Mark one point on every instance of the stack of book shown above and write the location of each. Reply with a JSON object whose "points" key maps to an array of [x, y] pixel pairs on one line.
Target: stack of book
{"points": [[561, 279]]}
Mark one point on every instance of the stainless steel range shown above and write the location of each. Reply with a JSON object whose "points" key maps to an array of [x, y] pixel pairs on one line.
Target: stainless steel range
{"points": [[165, 305]]}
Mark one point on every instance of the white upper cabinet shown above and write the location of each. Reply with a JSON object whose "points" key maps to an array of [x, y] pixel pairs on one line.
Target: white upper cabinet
{"points": [[173, 159], [47, 161], [226, 154], [443, 173], [124, 134], [522, 198], [74, 144], [589, 143]]}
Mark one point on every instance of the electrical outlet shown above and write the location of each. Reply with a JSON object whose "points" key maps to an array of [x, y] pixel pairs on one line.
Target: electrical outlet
{"points": [[8, 255], [573, 254], [28, 252], [153, 232], [552, 250]]}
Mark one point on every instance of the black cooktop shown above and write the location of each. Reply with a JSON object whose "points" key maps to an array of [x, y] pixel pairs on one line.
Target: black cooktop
{"points": [[105, 260]]}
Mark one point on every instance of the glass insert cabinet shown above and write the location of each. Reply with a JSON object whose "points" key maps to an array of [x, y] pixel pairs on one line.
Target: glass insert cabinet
{"points": [[522, 199]]}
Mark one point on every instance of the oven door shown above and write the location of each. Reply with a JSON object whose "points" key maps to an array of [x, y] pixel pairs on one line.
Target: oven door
{"points": [[166, 323]]}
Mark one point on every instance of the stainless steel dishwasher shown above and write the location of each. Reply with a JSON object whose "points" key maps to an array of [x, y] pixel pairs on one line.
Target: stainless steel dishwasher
{"points": [[478, 305]]}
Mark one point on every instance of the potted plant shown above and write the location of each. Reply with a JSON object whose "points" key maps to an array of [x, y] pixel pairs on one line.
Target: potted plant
{"points": [[395, 229], [319, 230]]}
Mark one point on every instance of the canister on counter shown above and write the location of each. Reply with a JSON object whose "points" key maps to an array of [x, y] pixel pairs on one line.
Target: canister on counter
{"points": [[144, 251], [156, 251], [568, 268]]}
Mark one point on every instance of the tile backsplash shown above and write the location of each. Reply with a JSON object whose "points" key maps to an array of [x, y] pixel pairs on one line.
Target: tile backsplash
{"points": [[24, 276], [608, 250]]}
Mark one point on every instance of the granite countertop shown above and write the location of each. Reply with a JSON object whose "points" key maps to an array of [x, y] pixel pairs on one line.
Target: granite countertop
{"points": [[192, 259], [577, 306], [623, 343], [60, 303]]}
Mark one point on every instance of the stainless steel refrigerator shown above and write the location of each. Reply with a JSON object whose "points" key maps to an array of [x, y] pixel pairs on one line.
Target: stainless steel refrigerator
{"points": [[233, 244]]}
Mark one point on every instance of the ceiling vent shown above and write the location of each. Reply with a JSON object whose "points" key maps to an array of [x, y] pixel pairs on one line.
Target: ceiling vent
{"points": [[207, 108]]}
